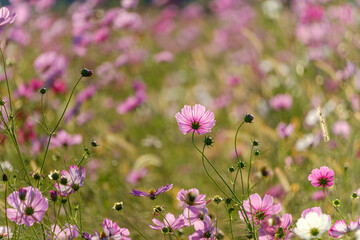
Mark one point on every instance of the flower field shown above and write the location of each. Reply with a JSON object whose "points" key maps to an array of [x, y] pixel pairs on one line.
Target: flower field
{"points": [[179, 119]]}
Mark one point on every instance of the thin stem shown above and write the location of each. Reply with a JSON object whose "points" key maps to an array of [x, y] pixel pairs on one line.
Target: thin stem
{"points": [[249, 172], [239, 167], [80, 211], [127, 219], [43, 114], [333, 205], [352, 209], [7, 81], [6, 220], [231, 230], [57, 124]]}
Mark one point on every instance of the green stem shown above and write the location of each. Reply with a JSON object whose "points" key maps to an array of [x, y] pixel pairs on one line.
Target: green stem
{"points": [[352, 209], [239, 167], [127, 219], [249, 172], [333, 205], [231, 230], [7, 81], [57, 125]]}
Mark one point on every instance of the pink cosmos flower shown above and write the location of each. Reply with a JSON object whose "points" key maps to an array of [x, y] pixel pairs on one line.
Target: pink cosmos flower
{"points": [[195, 119], [136, 175], [340, 228], [50, 65], [63, 139], [71, 181], [278, 230], [284, 130], [111, 231], [262, 209], [66, 233], [204, 230], [171, 223], [5, 232], [318, 195], [322, 177], [5, 18], [281, 102], [191, 197], [152, 194], [29, 206], [193, 214]]}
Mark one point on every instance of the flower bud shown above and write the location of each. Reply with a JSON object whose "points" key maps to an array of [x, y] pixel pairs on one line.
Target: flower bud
{"points": [[63, 200], [5, 178], [2, 102], [354, 195], [118, 206], [255, 143], [231, 169], [165, 230], [336, 203], [53, 195], [228, 200], [217, 199], [241, 164], [54, 175], [94, 143], [208, 141], [257, 152], [86, 72], [43, 91], [248, 118], [22, 194]]}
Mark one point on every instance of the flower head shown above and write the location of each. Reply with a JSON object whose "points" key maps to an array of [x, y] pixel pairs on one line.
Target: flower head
{"points": [[28, 206], [111, 231], [191, 197], [152, 194], [5, 17], [170, 223], [195, 119], [322, 177], [340, 228], [64, 233], [261, 209], [204, 230], [70, 181], [312, 224], [277, 229]]}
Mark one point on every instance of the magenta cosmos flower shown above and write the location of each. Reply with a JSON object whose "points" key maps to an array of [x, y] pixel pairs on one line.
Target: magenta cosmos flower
{"points": [[195, 119], [152, 194], [281, 102], [262, 209], [29, 206], [191, 197], [111, 231], [279, 229], [5, 17], [323, 177], [70, 181], [340, 228], [204, 230], [5, 232], [170, 223]]}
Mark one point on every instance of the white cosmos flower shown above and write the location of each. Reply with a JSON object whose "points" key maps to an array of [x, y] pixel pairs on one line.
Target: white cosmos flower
{"points": [[312, 225]]}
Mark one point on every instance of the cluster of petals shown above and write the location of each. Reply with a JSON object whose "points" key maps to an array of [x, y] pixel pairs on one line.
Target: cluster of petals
{"points": [[170, 222], [64, 139], [152, 194], [111, 231], [204, 230], [195, 119], [323, 177], [312, 224], [279, 229], [66, 232], [340, 228], [5, 17], [28, 206], [191, 197], [260, 209], [70, 181]]}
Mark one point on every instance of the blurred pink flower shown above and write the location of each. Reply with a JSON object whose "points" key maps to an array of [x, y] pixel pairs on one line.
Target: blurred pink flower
{"points": [[281, 102], [284, 130], [63, 139], [342, 128], [323, 177], [111, 231], [136, 175], [195, 119], [67, 232], [50, 65], [191, 197], [164, 56], [341, 228]]}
